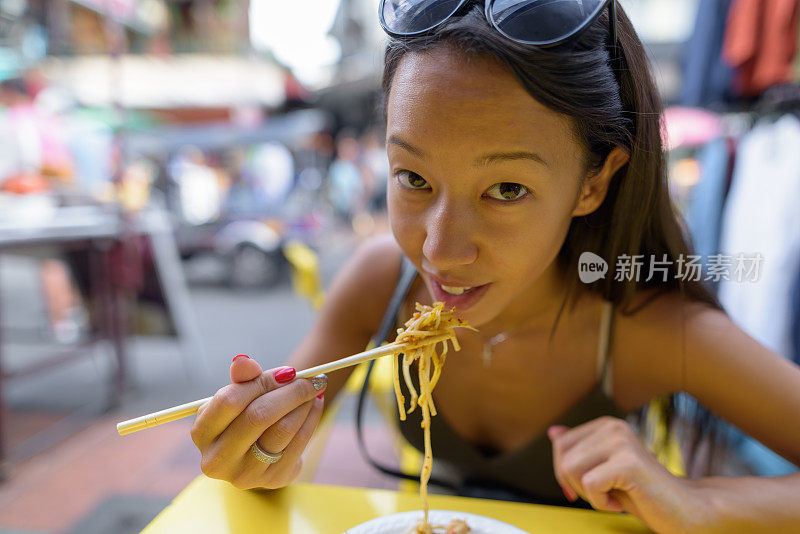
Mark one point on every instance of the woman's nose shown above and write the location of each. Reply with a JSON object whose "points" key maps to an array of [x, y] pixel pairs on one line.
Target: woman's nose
{"points": [[448, 240]]}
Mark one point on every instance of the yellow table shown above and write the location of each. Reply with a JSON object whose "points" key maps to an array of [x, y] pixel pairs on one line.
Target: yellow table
{"points": [[213, 506]]}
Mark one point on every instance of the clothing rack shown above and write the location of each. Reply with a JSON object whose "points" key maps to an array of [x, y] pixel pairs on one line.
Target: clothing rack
{"points": [[737, 120], [783, 98]]}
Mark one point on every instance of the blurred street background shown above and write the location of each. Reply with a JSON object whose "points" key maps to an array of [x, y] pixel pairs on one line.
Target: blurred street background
{"points": [[181, 179]]}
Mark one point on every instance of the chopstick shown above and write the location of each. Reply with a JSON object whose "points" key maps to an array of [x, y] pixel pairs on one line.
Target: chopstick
{"points": [[190, 408]]}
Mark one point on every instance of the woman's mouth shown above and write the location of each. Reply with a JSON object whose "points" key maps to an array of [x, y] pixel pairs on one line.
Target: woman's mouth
{"points": [[460, 297], [453, 290]]}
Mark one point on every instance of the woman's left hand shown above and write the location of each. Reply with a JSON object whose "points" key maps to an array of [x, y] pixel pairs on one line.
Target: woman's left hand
{"points": [[604, 462]]}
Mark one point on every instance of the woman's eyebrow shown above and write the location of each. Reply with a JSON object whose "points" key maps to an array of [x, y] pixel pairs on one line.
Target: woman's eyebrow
{"points": [[395, 140], [481, 161], [497, 157]]}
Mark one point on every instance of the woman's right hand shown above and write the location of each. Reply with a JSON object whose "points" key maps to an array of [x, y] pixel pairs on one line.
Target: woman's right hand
{"points": [[267, 407]]}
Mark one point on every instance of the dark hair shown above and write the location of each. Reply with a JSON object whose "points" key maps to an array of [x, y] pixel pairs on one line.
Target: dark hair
{"points": [[608, 109]]}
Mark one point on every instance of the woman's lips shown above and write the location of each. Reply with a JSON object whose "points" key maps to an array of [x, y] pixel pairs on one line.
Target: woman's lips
{"points": [[461, 302]]}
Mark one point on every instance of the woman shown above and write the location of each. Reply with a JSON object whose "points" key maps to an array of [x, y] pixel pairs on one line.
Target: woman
{"points": [[508, 161]]}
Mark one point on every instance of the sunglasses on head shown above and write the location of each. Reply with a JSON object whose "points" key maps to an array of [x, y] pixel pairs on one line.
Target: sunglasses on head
{"points": [[542, 23]]}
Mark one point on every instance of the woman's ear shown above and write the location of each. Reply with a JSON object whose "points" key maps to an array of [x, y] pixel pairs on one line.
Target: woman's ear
{"points": [[594, 189]]}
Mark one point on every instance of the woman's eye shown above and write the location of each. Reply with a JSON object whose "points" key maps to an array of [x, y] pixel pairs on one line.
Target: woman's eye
{"points": [[412, 180], [507, 191]]}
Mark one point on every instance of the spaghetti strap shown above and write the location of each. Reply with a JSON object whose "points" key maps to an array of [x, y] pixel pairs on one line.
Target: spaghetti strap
{"points": [[604, 363]]}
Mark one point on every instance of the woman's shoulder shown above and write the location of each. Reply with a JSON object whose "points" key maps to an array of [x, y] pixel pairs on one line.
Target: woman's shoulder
{"points": [[379, 255], [353, 307], [656, 307], [363, 287], [650, 340]]}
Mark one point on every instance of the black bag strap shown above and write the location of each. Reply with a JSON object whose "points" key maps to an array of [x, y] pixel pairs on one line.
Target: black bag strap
{"points": [[407, 275]]}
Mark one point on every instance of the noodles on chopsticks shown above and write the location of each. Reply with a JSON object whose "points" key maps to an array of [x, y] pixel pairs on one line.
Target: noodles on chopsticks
{"points": [[427, 321]]}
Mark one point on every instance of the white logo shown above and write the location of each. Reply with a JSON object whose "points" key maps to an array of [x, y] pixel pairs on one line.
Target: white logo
{"points": [[591, 267], [717, 267]]}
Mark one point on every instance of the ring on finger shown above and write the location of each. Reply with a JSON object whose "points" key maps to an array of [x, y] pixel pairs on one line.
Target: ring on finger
{"points": [[264, 456]]}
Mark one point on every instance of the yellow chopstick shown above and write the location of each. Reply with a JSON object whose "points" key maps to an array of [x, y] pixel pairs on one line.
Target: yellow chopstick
{"points": [[190, 408]]}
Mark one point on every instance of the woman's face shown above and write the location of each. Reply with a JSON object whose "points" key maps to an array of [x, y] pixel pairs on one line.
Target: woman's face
{"points": [[483, 185]]}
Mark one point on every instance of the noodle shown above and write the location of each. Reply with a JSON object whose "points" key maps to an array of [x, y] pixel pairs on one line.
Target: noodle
{"points": [[427, 321]]}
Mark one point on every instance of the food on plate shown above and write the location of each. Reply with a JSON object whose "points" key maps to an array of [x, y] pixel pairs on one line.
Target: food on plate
{"points": [[456, 526]]}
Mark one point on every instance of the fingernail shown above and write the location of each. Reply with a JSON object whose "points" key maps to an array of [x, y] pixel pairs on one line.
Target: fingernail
{"points": [[552, 431], [564, 490], [240, 356], [319, 382], [321, 396], [285, 374]]}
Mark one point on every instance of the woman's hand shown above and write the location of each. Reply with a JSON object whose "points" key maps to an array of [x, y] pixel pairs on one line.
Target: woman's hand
{"points": [[605, 463], [269, 407]]}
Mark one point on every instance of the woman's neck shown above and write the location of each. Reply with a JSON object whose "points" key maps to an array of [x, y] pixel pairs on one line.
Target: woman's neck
{"points": [[535, 307]]}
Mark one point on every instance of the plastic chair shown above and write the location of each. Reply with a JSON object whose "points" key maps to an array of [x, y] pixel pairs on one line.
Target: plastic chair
{"points": [[304, 264], [666, 447]]}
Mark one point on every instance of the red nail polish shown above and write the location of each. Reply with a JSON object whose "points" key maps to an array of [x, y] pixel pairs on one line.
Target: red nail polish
{"points": [[285, 374], [240, 356], [321, 395]]}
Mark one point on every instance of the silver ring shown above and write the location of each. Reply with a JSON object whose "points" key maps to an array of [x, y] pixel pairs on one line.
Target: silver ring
{"points": [[264, 456]]}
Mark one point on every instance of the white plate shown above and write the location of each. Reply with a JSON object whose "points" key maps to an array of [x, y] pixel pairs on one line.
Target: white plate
{"points": [[401, 522]]}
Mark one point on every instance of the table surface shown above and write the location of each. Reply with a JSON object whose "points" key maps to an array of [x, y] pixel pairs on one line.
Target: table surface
{"points": [[60, 224], [77, 223], [213, 506]]}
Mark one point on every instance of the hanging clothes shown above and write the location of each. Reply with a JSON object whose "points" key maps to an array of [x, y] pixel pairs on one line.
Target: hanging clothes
{"points": [[704, 213], [760, 42], [796, 66], [761, 215], [706, 77], [796, 319]]}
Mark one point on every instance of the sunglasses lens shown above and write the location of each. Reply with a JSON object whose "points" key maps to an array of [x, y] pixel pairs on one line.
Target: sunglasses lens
{"points": [[543, 21], [405, 17]]}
